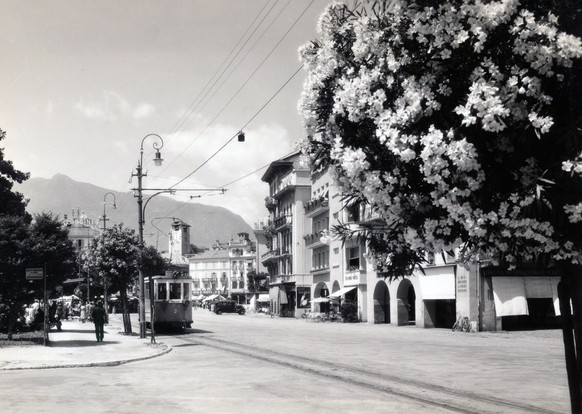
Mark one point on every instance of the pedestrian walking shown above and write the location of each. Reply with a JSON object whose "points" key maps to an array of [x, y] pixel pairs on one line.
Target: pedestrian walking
{"points": [[99, 319]]}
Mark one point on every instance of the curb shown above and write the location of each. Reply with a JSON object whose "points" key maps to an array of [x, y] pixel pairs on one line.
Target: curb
{"points": [[94, 364]]}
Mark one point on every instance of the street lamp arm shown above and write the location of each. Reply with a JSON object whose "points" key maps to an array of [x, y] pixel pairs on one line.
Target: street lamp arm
{"points": [[148, 200], [156, 145]]}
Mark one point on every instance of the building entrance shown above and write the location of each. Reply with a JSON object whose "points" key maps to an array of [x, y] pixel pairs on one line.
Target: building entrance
{"points": [[381, 303]]}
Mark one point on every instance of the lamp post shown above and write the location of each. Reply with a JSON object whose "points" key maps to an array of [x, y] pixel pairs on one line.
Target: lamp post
{"points": [[139, 174], [105, 279]]}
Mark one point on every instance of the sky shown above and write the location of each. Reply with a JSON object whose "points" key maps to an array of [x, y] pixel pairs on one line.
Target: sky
{"points": [[83, 83]]}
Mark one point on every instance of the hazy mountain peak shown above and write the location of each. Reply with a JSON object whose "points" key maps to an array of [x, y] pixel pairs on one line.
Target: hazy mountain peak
{"points": [[61, 195]]}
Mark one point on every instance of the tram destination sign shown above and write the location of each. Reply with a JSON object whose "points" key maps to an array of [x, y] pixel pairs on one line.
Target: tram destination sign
{"points": [[34, 273]]}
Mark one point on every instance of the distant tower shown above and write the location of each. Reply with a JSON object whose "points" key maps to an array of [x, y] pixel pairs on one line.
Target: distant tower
{"points": [[179, 241]]}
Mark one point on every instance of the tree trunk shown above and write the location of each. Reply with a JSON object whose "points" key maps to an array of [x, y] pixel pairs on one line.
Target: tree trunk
{"points": [[573, 373], [126, 319]]}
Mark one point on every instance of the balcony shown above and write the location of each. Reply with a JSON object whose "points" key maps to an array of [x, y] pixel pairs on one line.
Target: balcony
{"points": [[369, 217], [354, 276], [282, 221], [313, 240], [270, 255], [270, 203], [269, 229], [289, 182], [317, 206]]}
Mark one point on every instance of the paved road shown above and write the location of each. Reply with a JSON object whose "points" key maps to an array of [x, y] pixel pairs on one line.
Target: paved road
{"points": [[245, 364]]}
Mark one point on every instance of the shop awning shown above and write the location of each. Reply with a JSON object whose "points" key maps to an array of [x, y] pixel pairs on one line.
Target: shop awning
{"points": [[509, 296], [284, 300], [438, 284], [324, 300], [263, 298], [342, 292]]}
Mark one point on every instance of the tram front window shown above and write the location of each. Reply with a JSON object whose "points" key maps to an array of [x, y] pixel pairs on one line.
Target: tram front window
{"points": [[175, 291], [162, 292], [186, 291]]}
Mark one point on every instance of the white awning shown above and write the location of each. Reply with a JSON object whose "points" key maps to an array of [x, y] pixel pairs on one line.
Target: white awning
{"points": [[437, 284], [342, 292], [509, 296], [264, 297], [284, 300]]}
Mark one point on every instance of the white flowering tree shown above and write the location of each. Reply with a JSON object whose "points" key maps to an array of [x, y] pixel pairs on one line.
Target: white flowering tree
{"points": [[459, 124], [115, 255]]}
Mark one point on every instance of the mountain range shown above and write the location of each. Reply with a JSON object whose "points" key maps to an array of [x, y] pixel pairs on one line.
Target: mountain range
{"points": [[62, 196]]}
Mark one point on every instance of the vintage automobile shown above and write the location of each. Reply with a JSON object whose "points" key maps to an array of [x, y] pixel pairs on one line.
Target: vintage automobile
{"points": [[228, 306]]}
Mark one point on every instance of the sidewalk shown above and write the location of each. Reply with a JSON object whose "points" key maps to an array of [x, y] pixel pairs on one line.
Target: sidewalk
{"points": [[76, 346]]}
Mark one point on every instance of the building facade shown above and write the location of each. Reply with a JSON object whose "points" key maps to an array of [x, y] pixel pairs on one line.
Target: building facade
{"points": [[287, 260], [311, 269], [224, 269]]}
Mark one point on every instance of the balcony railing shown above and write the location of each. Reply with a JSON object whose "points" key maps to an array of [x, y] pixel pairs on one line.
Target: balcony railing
{"points": [[313, 240], [270, 255], [287, 182], [283, 221], [270, 203], [316, 206], [368, 216]]}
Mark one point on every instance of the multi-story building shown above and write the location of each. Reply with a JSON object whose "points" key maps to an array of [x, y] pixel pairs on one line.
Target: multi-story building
{"points": [[82, 230], [224, 269], [306, 262], [287, 260], [337, 266]]}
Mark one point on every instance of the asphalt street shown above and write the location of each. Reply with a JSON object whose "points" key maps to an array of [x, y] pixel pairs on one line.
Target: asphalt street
{"points": [[232, 363]]}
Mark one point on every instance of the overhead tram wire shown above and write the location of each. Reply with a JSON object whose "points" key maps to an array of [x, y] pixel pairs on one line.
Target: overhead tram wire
{"points": [[223, 186], [243, 127], [180, 121], [247, 81], [229, 63], [187, 116], [242, 59]]}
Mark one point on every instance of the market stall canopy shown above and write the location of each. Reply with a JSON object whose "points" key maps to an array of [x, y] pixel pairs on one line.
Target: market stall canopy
{"points": [[342, 292], [214, 297]]}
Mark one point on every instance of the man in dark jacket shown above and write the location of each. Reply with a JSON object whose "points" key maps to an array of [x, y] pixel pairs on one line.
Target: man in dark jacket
{"points": [[99, 319]]}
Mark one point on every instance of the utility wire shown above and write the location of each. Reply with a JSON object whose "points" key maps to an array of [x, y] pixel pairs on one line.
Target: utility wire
{"points": [[247, 81], [188, 118], [244, 126], [190, 109], [240, 61]]}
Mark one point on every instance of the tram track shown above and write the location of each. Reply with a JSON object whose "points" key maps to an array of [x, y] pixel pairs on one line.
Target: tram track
{"points": [[456, 400]]}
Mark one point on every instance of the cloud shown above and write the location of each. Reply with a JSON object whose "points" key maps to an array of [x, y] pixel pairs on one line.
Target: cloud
{"points": [[111, 105], [143, 110], [185, 152]]}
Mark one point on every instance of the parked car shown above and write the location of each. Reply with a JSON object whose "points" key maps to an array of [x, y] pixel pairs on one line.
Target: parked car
{"points": [[228, 306]]}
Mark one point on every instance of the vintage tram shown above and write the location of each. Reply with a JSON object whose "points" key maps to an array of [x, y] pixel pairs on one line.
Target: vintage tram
{"points": [[172, 302]]}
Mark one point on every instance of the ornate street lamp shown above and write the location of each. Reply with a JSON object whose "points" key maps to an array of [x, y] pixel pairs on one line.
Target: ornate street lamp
{"points": [[104, 219], [140, 174]]}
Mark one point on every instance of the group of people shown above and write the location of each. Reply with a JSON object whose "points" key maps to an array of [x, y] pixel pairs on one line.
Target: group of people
{"points": [[34, 314]]}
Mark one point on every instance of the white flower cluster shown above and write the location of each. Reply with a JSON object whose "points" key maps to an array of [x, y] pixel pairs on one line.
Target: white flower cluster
{"points": [[439, 89]]}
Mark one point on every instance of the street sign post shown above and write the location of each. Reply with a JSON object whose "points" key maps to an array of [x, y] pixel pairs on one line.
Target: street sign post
{"points": [[39, 273], [34, 273]]}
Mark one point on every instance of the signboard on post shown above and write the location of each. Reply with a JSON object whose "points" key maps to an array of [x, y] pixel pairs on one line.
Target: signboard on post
{"points": [[34, 273]]}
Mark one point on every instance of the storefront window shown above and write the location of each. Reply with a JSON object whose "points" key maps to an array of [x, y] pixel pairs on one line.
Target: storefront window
{"points": [[304, 295]]}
